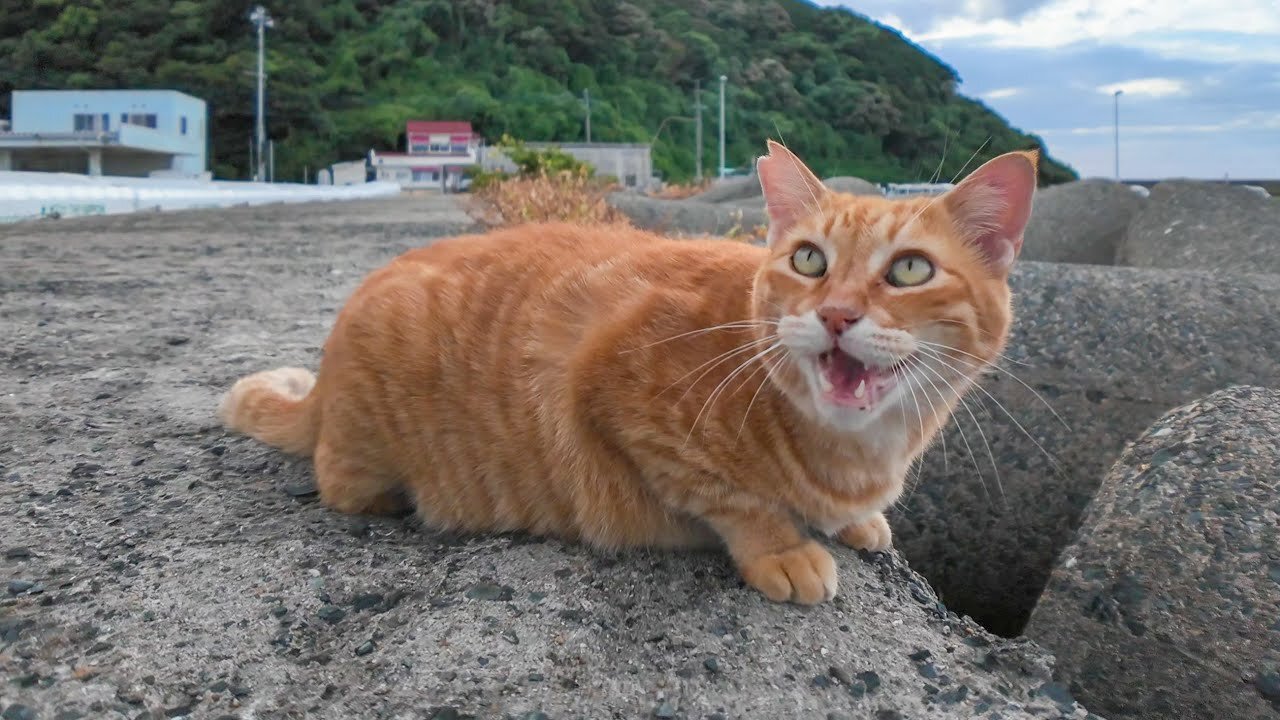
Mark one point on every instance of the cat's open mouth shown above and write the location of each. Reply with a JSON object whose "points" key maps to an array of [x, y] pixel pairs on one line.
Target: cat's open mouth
{"points": [[845, 380]]}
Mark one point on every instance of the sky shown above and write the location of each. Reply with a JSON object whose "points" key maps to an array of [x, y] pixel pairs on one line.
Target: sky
{"points": [[1200, 79]]}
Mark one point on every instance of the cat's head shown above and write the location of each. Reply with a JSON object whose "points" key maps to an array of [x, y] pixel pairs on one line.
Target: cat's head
{"points": [[888, 305]]}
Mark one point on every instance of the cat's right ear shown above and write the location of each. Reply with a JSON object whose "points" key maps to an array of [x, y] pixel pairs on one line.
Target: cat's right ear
{"points": [[791, 190]]}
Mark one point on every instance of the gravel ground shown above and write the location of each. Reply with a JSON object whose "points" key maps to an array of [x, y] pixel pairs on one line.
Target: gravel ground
{"points": [[155, 567]]}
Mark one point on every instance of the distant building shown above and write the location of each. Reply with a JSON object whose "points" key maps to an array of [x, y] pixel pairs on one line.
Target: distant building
{"points": [[131, 133], [630, 163], [353, 172], [437, 156]]}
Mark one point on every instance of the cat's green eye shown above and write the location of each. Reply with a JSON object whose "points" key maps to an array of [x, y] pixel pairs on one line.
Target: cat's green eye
{"points": [[910, 270], [808, 260]]}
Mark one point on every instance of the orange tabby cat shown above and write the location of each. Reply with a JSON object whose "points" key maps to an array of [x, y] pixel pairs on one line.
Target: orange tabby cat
{"points": [[621, 388]]}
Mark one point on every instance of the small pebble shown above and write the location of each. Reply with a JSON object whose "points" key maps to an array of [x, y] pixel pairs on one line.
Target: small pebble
{"points": [[17, 587], [19, 712], [1268, 686], [490, 591], [365, 649], [301, 490], [331, 614], [712, 664], [511, 637], [665, 711], [17, 553]]}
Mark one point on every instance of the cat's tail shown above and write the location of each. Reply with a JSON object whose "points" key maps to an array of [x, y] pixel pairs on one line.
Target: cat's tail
{"points": [[276, 407]]}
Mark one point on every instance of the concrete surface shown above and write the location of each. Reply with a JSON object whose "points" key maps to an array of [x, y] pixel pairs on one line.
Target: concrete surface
{"points": [[1166, 604], [852, 185], [1111, 350], [1204, 226], [690, 217], [155, 567], [1080, 222], [730, 188]]}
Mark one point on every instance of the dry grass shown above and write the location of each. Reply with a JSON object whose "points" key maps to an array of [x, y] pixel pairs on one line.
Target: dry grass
{"points": [[680, 192], [566, 196]]}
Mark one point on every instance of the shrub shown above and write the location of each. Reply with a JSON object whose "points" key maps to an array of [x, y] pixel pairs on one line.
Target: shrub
{"points": [[567, 196], [549, 184]]}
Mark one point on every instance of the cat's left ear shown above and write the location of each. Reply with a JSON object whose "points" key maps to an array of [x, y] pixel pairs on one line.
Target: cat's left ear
{"points": [[991, 206], [791, 190]]}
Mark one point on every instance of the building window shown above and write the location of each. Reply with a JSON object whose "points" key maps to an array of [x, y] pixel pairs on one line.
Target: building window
{"points": [[86, 122], [459, 149], [143, 119], [106, 121], [631, 181], [182, 125]]}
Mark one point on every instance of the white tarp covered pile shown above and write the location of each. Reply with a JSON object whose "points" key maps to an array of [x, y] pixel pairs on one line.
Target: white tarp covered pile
{"points": [[34, 195]]}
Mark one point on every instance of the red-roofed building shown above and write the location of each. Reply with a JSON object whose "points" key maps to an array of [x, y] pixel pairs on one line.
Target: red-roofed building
{"points": [[437, 155]]}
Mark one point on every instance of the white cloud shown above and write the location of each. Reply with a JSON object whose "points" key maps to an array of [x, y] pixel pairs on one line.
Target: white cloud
{"points": [[1249, 121], [1149, 87], [1001, 93], [1188, 28]]}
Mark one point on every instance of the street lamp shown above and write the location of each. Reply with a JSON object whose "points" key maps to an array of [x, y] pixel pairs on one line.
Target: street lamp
{"points": [[723, 80], [262, 20], [1117, 95]]}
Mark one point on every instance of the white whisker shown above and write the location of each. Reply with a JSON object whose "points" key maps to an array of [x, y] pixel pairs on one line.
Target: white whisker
{"points": [[767, 376], [983, 363], [715, 393], [736, 325], [917, 361], [938, 356]]}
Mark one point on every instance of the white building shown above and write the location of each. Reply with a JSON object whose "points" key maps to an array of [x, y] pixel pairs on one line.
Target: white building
{"points": [[132, 133], [438, 155], [630, 163]]}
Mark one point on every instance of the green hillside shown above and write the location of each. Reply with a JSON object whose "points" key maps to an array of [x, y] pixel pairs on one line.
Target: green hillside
{"points": [[850, 96]]}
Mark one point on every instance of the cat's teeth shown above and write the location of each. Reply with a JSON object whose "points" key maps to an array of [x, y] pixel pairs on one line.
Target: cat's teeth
{"points": [[861, 391], [824, 383]]}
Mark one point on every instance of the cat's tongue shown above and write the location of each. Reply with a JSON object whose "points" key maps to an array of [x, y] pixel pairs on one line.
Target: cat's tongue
{"points": [[850, 382]]}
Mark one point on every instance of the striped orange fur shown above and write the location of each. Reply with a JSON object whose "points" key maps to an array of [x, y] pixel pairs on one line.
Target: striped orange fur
{"points": [[621, 388]]}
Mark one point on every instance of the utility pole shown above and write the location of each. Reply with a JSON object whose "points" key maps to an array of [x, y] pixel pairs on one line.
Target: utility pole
{"points": [[697, 143], [262, 20], [1117, 95], [723, 80], [586, 98]]}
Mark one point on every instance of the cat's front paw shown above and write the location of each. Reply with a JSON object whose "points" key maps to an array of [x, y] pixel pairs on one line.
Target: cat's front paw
{"points": [[805, 574], [871, 534]]}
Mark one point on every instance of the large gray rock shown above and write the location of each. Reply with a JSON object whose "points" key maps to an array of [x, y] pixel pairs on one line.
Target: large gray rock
{"points": [[1166, 603], [689, 217], [1110, 349], [153, 566], [852, 185], [1205, 226], [745, 191], [1080, 222], [730, 188]]}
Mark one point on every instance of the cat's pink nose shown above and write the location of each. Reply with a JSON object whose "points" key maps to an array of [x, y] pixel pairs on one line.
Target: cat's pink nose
{"points": [[838, 319]]}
